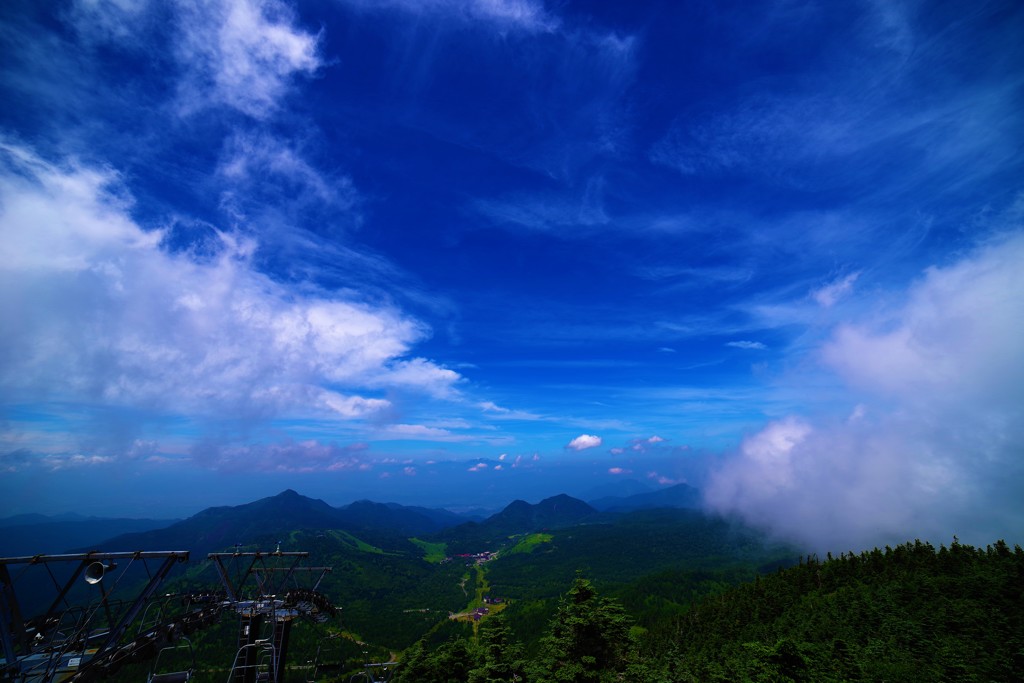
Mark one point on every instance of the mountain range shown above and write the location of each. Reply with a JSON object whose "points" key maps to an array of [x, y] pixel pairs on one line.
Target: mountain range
{"points": [[222, 527]]}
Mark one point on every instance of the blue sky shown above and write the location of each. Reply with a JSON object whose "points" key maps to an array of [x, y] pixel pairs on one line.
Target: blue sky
{"points": [[458, 251]]}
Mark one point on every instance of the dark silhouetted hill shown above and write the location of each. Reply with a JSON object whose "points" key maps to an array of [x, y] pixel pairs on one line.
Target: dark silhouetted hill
{"points": [[519, 517], [551, 513], [220, 528], [367, 516]]}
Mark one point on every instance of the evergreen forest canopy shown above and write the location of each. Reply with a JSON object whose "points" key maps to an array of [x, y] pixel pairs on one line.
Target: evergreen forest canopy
{"points": [[908, 613]]}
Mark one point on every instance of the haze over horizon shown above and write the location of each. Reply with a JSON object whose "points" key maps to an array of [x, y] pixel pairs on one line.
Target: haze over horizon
{"points": [[456, 252]]}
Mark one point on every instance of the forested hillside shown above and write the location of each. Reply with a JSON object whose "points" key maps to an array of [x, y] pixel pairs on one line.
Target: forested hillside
{"points": [[910, 613]]}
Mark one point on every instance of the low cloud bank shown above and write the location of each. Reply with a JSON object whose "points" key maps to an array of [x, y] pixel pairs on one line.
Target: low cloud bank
{"points": [[934, 442]]}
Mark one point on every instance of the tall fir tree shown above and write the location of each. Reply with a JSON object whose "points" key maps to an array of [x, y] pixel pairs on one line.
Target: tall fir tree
{"points": [[503, 659], [588, 640]]}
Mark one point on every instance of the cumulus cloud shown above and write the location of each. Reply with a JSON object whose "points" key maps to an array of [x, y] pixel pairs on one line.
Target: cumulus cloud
{"points": [[583, 442], [353, 406], [933, 448], [417, 373], [107, 316]]}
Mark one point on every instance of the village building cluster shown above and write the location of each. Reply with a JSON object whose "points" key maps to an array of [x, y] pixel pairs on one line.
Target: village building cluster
{"points": [[474, 558]]}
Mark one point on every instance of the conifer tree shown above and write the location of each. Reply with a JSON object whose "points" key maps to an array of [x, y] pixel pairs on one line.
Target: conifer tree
{"points": [[503, 659], [588, 639]]}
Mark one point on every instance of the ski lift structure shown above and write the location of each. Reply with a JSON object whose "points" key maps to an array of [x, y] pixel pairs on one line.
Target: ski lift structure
{"points": [[86, 634], [323, 663], [263, 589], [78, 642]]}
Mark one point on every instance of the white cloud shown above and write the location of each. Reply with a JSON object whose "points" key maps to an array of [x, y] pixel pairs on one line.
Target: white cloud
{"points": [[353, 406], [933, 445], [107, 317], [619, 470], [524, 15], [958, 338], [241, 53], [583, 442], [285, 456], [745, 344], [266, 165], [496, 412], [54, 462], [408, 431], [828, 295], [663, 480], [417, 374], [108, 20]]}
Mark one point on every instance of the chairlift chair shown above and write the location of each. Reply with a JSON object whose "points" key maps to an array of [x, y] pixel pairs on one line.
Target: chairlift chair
{"points": [[265, 664], [173, 676]]}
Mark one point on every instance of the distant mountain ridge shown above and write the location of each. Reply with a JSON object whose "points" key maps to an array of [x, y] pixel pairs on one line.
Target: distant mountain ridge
{"points": [[519, 517], [556, 511], [407, 521], [219, 528], [383, 524], [37, 518]]}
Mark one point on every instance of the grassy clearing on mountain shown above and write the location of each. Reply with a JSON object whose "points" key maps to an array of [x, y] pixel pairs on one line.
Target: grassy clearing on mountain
{"points": [[434, 553], [528, 544]]}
